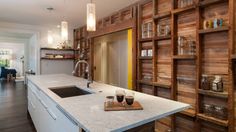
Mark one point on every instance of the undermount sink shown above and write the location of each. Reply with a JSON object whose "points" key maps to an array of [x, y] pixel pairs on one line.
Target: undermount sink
{"points": [[69, 91]]}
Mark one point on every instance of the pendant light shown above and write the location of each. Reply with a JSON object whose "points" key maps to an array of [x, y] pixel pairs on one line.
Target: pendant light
{"points": [[91, 17], [64, 31], [50, 37], [64, 26]]}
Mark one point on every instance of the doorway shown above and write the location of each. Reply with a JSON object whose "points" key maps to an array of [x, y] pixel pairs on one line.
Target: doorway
{"points": [[111, 59]]}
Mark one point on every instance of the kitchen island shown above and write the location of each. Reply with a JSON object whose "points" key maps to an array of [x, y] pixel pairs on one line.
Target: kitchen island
{"points": [[51, 113]]}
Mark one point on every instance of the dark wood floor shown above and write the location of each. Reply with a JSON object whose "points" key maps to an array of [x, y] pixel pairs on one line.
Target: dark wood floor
{"points": [[13, 108]]}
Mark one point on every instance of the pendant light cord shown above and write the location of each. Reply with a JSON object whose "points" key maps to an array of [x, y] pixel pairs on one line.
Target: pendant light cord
{"points": [[64, 16]]}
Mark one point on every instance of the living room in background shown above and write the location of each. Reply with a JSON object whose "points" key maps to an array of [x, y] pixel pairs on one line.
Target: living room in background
{"points": [[12, 55]]}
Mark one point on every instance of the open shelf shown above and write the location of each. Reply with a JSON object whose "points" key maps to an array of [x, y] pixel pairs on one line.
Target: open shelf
{"points": [[184, 57], [158, 38], [45, 58], [145, 82], [213, 94], [162, 15], [145, 57], [213, 30], [57, 49], [210, 2], [161, 85], [213, 120], [184, 9], [189, 112], [145, 40]]}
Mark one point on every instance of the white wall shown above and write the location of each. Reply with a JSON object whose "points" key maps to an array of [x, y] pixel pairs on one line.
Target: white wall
{"points": [[37, 37]]}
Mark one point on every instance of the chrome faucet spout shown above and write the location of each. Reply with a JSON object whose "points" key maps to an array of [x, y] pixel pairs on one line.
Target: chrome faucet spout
{"points": [[75, 71]]}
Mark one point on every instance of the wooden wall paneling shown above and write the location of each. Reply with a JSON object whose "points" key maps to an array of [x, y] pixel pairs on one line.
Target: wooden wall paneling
{"points": [[184, 123]]}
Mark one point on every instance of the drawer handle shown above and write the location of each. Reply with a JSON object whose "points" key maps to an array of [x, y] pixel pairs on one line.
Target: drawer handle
{"points": [[51, 114], [44, 105], [32, 104], [66, 115]]}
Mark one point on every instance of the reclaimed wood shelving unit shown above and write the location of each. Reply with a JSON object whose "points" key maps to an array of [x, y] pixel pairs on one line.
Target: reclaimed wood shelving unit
{"points": [[178, 77]]}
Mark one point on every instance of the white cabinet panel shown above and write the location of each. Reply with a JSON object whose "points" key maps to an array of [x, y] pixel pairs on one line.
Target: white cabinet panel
{"points": [[46, 115]]}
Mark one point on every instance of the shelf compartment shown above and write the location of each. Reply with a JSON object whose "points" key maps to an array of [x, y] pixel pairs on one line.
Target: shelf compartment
{"points": [[213, 30], [212, 93], [184, 9], [145, 57], [159, 38], [189, 112], [224, 123], [161, 85], [145, 40], [184, 57], [210, 2], [162, 15]]}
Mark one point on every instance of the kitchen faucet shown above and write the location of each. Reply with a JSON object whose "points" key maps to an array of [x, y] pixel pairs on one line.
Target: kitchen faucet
{"points": [[75, 73]]}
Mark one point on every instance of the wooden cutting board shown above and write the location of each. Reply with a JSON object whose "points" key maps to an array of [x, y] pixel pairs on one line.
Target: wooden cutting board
{"points": [[118, 107]]}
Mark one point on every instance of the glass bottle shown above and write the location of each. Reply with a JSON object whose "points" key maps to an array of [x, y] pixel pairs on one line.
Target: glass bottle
{"points": [[205, 85]]}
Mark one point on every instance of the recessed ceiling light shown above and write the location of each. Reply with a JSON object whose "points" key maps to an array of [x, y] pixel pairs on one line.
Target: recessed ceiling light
{"points": [[50, 8]]}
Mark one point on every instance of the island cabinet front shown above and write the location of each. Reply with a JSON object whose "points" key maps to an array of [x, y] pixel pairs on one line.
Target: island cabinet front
{"points": [[46, 115]]}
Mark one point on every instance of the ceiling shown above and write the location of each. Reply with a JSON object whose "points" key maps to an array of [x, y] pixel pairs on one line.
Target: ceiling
{"points": [[34, 12]]}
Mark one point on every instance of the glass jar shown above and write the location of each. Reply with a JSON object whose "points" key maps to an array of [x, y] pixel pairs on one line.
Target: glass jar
{"points": [[220, 112], [208, 109], [217, 84], [159, 30], [205, 85], [167, 30], [180, 45]]}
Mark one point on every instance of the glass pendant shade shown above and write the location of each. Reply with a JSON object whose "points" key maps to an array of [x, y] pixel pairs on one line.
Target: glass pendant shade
{"points": [[50, 38], [91, 17], [64, 30]]}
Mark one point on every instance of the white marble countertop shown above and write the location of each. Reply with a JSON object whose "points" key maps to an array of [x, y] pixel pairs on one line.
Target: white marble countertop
{"points": [[88, 111]]}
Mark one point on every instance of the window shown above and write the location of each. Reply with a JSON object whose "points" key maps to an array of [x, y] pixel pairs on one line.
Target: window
{"points": [[5, 57]]}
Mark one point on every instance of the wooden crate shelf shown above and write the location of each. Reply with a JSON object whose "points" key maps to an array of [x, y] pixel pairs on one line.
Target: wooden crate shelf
{"points": [[184, 9], [159, 38], [210, 2], [213, 30], [161, 85], [224, 123], [223, 95], [145, 40], [145, 57], [162, 15], [184, 57]]}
